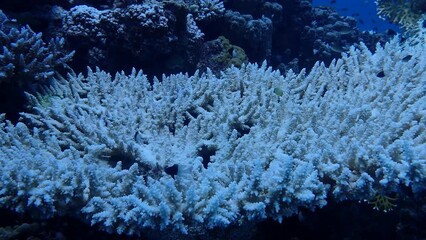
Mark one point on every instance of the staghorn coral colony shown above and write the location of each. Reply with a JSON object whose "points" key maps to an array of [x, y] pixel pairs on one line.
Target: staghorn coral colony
{"points": [[212, 153]]}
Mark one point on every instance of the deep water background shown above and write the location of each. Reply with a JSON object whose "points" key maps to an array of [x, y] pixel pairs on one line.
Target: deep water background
{"points": [[364, 11]]}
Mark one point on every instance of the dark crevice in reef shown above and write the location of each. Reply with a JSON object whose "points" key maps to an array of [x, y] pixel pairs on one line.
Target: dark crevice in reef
{"points": [[344, 220], [120, 155], [12, 101], [190, 114], [206, 152], [172, 170], [241, 128]]}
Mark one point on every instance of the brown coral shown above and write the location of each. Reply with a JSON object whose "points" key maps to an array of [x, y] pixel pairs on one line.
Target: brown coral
{"points": [[409, 14]]}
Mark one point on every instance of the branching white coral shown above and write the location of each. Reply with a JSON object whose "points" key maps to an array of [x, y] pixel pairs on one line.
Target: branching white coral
{"points": [[25, 58], [247, 145], [207, 9]]}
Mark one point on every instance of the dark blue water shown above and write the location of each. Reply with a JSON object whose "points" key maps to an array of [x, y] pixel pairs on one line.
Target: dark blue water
{"points": [[363, 10]]}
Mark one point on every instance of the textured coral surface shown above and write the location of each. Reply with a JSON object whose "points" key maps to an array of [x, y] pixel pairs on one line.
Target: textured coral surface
{"points": [[191, 153]]}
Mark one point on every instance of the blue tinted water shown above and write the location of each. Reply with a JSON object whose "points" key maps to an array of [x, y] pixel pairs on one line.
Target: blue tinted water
{"points": [[363, 10]]}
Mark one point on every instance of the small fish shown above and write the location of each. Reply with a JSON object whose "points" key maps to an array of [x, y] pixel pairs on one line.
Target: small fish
{"points": [[346, 30], [407, 58], [104, 7], [332, 1], [344, 9], [278, 91], [380, 74], [361, 21], [390, 32], [336, 48]]}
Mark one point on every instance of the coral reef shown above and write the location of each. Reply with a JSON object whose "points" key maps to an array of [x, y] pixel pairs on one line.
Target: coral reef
{"points": [[152, 34], [210, 154], [25, 57], [102, 148], [410, 14], [26, 61], [332, 34], [252, 35], [220, 54]]}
